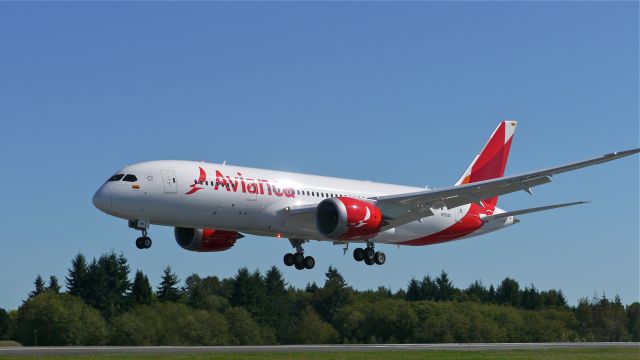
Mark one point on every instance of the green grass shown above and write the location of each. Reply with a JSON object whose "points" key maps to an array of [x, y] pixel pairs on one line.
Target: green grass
{"points": [[581, 354]]}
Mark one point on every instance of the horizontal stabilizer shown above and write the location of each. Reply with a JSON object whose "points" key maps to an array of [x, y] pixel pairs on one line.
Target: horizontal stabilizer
{"points": [[530, 210]]}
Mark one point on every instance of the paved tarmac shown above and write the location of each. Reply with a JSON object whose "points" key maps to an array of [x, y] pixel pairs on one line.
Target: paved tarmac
{"points": [[168, 350]]}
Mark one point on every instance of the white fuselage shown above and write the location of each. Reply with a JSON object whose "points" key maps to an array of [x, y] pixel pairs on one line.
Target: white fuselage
{"points": [[254, 201]]}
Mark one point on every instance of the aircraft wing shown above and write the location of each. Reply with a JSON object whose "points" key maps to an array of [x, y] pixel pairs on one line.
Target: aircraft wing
{"points": [[530, 210], [403, 208]]}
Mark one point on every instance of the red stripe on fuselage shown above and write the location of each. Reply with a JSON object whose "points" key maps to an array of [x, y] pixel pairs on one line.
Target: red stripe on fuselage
{"points": [[468, 224]]}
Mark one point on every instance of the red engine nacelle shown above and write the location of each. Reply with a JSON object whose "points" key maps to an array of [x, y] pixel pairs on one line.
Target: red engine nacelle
{"points": [[206, 240], [345, 218]]}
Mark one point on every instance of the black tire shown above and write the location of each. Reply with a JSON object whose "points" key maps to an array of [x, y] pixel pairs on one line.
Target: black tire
{"points": [[358, 254], [139, 243], [288, 259], [309, 262], [380, 258], [299, 266], [298, 260], [369, 253], [368, 261], [146, 242]]}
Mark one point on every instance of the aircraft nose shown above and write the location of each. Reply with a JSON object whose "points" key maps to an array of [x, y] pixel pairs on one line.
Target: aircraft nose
{"points": [[102, 199]]}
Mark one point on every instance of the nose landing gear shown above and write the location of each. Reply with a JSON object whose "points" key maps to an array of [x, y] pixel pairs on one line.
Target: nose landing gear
{"points": [[143, 242], [369, 255], [298, 259]]}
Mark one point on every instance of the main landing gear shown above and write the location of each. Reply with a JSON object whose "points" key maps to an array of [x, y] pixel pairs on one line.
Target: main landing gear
{"points": [[369, 255], [144, 241], [298, 259]]}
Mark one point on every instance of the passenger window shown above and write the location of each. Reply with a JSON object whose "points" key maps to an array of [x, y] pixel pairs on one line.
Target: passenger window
{"points": [[116, 177], [130, 178]]}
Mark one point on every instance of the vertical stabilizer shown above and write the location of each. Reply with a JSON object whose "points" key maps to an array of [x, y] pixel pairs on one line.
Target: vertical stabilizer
{"points": [[492, 159]]}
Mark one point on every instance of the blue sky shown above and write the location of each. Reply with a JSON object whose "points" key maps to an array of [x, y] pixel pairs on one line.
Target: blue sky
{"points": [[393, 92]]}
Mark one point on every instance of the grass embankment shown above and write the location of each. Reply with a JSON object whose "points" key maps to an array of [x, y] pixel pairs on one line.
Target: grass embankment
{"points": [[9, 343], [581, 354]]}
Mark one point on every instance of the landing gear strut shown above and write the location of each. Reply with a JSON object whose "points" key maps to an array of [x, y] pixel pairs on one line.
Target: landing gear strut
{"points": [[298, 259], [369, 255], [143, 242]]}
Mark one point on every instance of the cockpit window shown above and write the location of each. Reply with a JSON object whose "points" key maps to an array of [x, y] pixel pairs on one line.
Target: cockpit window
{"points": [[116, 177], [130, 178]]}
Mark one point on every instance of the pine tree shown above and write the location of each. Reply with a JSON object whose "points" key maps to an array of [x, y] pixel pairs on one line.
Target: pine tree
{"points": [[413, 291], [168, 289], [5, 323], [508, 292], [428, 289], [311, 287], [445, 287], [249, 291], [477, 291], [38, 287], [333, 296], [274, 283], [53, 284], [107, 284], [275, 311], [491, 294], [531, 299], [77, 277], [141, 292], [334, 278]]}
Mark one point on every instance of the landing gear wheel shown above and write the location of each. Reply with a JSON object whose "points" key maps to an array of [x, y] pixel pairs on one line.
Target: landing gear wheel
{"points": [[369, 253], [309, 262], [289, 259], [368, 261], [139, 243], [298, 259], [146, 242], [358, 254], [380, 258]]}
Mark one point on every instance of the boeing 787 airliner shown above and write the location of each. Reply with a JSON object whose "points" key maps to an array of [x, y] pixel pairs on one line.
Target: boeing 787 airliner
{"points": [[211, 205]]}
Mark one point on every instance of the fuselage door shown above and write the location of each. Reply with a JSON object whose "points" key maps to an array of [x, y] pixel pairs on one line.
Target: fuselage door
{"points": [[169, 181]]}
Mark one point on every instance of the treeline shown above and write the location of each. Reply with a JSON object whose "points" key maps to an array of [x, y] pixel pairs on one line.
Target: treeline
{"points": [[103, 305]]}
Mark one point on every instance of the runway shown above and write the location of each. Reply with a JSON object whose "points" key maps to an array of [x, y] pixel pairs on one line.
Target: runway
{"points": [[168, 350]]}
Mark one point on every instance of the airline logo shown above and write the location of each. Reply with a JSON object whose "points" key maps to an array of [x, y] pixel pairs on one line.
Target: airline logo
{"points": [[239, 183], [194, 187], [364, 221]]}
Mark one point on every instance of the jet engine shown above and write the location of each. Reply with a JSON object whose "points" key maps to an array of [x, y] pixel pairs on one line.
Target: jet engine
{"points": [[206, 240], [345, 218]]}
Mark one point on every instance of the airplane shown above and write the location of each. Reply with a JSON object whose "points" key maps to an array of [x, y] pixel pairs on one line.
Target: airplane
{"points": [[211, 205]]}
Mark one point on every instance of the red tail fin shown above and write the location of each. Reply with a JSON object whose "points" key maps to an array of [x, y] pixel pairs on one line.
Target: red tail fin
{"points": [[492, 159]]}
